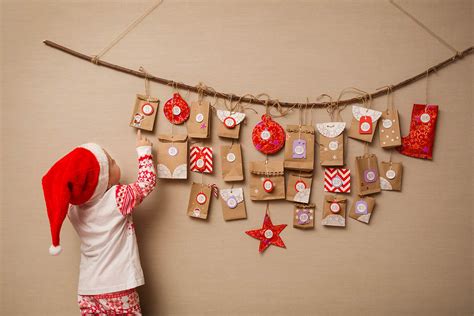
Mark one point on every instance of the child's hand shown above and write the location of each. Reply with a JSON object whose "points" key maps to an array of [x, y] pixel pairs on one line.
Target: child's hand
{"points": [[142, 140]]}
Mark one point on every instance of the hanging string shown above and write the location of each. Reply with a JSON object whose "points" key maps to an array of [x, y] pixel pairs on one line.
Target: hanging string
{"points": [[441, 40], [390, 106], [147, 83], [95, 58]]}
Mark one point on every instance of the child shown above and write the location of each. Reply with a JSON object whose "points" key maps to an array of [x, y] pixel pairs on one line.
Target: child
{"points": [[84, 184]]}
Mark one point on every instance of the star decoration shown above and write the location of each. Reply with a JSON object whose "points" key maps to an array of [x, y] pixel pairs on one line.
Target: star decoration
{"points": [[203, 125], [268, 234]]}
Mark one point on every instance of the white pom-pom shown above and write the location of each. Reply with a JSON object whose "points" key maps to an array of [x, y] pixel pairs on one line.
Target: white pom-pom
{"points": [[54, 251]]}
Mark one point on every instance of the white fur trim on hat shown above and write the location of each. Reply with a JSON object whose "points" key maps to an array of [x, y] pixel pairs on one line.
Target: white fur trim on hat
{"points": [[101, 157], [55, 250]]}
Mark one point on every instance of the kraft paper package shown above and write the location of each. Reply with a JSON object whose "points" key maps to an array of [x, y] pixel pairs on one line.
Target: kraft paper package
{"points": [[267, 180], [334, 211], [368, 176], [172, 156], [299, 147], [229, 123], [331, 143], [231, 162], [298, 187], [233, 204], [303, 216], [199, 200], [362, 208], [364, 123], [144, 112], [391, 176], [199, 122], [389, 130]]}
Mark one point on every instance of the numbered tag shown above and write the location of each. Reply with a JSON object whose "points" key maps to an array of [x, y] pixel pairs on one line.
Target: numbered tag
{"points": [[230, 122], [232, 202], [147, 109], [365, 125], [391, 174], [299, 149], [370, 175], [268, 185], [199, 117], [201, 198], [300, 186], [335, 207], [361, 207], [172, 151], [425, 117]]}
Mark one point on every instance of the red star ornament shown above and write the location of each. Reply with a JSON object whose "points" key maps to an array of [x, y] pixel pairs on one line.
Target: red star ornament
{"points": [[268, 234]]}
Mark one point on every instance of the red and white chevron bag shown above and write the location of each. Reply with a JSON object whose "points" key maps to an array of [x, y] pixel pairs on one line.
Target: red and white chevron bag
{"points": [[200, 159], [337, 180]]}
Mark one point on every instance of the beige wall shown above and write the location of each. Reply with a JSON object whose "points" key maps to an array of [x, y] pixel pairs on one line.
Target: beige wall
{"points": [[414, 258]]}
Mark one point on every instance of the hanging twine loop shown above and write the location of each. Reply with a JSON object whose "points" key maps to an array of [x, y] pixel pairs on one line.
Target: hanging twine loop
{"points": [[147, 82]]}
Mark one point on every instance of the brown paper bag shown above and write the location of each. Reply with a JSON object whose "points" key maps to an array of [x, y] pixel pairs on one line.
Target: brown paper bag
{"points": [[331, 143], [198, 123], [368, 176], [334, 211], [199, 200], [303, 216], [389, 130], [172, 157], [299, 147], [267, 180], [391, 176], [144, 112], [362, 208], [229, 123], [233, 204], [231, 161], [359, 126], [298, 188]]}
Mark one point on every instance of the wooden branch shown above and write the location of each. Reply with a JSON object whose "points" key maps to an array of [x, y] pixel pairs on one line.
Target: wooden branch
{"points": [[245, 99]]}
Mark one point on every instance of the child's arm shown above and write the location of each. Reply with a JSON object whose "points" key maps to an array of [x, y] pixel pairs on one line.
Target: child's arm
{"points": [[131, 195]]}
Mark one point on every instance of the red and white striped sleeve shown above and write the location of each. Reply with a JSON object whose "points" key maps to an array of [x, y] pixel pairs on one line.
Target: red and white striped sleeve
{"points": [[131, 195]]}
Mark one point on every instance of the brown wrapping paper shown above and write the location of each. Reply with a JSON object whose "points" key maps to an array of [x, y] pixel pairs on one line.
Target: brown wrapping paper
{"points": [[262, 174], [331, 143], [294, 136], [298, 188], [172, 163], [231, 162], [141, 116], [357, 113], [368, 176], [334, 211], [198, 206], [199, 123], [233, 204], [389, 129], [362, 208], [303, 216], [391, 176]]}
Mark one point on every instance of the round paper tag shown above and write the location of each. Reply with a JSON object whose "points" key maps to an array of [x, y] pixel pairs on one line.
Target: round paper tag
{"points": [[201, 198], [335, 208], [199, 117], [172, 151], [176, 110], [268, 185], [370, 175], [361, 207], [299, 150], [387, 123], [230, 157], [391, 174], [265, 135], [333, 145], [336, 182], [365, 126], [229, 122], [304, 218], [147, 109], [425, 117], [300, 186], [200, 163], [232, 202], [268, 234]]}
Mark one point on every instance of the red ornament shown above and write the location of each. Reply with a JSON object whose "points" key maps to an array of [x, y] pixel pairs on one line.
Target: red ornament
{"points": [[420, 140], [268, 234], [176, 109], [268, 136]]}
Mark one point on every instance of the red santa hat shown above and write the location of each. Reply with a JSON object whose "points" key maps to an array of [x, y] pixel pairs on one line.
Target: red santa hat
{"points": [[79, 177]]}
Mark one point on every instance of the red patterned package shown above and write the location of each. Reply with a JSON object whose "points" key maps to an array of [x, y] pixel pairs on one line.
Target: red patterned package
{"points": [[420, 140], [176, 109], [268, 136]]}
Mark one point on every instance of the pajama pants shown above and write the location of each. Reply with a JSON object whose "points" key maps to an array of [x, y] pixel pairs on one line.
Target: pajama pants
{"points": [[117, 303]]}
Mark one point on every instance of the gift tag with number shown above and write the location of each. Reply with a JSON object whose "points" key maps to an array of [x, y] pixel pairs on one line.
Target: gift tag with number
{"points": [[365, 125], [268, 185], [370, 175], [201, 198], [299, 149]]}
